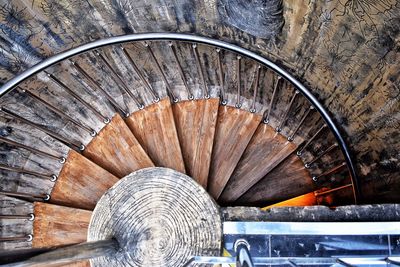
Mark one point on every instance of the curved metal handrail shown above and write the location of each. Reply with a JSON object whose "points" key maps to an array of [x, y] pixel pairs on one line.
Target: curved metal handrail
{"points": [[203, 40]]}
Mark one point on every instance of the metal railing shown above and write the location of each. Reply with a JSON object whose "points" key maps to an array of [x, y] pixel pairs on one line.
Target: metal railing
{"points": [[13, 83]]}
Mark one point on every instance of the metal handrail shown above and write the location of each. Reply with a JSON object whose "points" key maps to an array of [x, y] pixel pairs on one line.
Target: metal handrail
{"points": [[203, 40]]}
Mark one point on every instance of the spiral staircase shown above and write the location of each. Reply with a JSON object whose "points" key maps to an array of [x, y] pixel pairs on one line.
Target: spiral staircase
{"points": [[239, 125]]}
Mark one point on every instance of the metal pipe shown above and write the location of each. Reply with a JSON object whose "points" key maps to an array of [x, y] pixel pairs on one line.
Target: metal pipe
{"points": [[239, 81], [257, 77], [266, 120], [51, 177], [61, 159], [43, 197], [120, 80], [200, 71], [76, 96], [190, 94], [59, 112], [43, 129], [27, 238], [70, 254], [204, 40], [221, 78], [285, 116], [317, 194], [291, 137], [139, 73], [300, 152], [116, 106], [308, 164], [330, 171], [29, 217], [169, 89]]}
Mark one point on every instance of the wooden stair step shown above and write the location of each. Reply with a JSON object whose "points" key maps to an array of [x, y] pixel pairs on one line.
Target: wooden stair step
{"points": [[287, 180], [81, 183], [154, 127], [56, 225], [235, 127], [117, 150], [266, 150], [195, 122]]}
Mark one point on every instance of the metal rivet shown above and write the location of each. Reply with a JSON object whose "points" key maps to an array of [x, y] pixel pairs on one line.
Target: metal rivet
{"points": [[307, 166], [29, 238], [62, 160], [278, 130], [224, 102], [157, 99], [93, 133], [46, 197], [141, 107], [81, 147], [290, 139], [176, 100], [298, 153], [315, 178], [207, 96], [265, 121], [191, 97], [238, 105], [53, 178], [106, 120], [253, 110], [32, 217]]}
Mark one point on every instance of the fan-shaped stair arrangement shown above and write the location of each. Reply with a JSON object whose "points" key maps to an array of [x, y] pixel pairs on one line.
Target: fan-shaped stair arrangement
{"points": [[242, 131]]}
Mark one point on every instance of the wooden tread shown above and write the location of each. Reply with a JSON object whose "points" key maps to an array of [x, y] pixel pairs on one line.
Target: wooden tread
{"points": [[117, 150], [57, 225], [195, 122], [154, 127], [81, 183], [265, 151], [287, 180], [235, 127]]}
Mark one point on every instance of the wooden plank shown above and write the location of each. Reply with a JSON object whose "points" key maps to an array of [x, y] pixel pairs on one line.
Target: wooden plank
{"points": [[154, 127], [234, 130], [195, 122], [289, 179], [265, 151], [81, 183], [117, 150], [57, 225]]}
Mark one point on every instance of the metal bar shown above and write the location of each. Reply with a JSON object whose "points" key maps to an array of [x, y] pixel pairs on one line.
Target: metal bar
{"points": [[76, 96], [311, 228], [317, 194], [71, 254], [308, 164], [140, 74], [172, 48], [243, 257], [204, 40], [43, 129], [59, 112], [257, 77], [29, 217], [239, 81], [116, 106], [43, 197], [27, 238], [291, 137], [61, 159], [120, 80], [169, 89], [266, 120], [285, 116], [51, 177], [329, 172], [206, 92], [300, 152], [221, 78]]}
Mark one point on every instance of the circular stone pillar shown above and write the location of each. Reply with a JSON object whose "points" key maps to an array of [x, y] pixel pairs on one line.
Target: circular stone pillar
{"points": [[159, 217]]}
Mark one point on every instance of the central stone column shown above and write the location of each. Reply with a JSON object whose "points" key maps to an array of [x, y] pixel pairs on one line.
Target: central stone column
{"points": [[159, 217]]}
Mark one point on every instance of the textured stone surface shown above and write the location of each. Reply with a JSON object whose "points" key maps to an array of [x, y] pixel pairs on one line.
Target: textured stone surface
{"points": [[367, 213], [159, 217]]}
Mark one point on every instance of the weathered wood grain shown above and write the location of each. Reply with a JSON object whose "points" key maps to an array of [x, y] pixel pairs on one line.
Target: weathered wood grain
{"points": [[195, 122], [159, 217], [154, 127], [81, 183], [117, 150], [233, 132], [289, 179], [266, 150], [57, 225]]}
